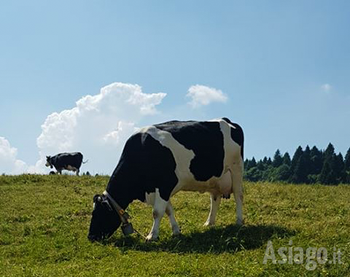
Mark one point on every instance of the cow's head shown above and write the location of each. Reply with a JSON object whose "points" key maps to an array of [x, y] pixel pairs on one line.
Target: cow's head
{"points": [[48, 161], [104, 221]]}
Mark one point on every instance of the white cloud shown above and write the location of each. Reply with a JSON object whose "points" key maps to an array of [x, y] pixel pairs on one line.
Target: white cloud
{"points": [[326, 87], [118, 135], [203, 95], [9, 163], [97, 126]]}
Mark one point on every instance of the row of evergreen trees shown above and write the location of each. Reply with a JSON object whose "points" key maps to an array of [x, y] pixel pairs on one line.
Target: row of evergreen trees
{"points": [[307, 166]]}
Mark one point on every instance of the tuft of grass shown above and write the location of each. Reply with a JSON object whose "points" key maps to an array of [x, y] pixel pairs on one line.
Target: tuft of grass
{"points": [[44, 222]]}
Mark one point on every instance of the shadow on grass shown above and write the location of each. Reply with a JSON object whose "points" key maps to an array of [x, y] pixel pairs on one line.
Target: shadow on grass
{"points": [[229, 239]]}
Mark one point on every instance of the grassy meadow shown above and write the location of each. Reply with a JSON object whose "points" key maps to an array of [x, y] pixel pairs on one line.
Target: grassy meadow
{"points": [[44, 222]]}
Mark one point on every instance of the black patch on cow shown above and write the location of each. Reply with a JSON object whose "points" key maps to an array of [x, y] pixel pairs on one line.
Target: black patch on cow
{"points": [[144, 166], [205, 139], [236, 134], [63, 160]]}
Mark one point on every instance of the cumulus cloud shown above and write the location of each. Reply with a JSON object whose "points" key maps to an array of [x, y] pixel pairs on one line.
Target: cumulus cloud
{"points": [[97, 126], [326, 87], [203, 95], [9, 163]]}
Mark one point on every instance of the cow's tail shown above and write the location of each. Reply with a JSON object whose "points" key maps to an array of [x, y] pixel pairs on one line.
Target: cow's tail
{"points": [[85, 161]]}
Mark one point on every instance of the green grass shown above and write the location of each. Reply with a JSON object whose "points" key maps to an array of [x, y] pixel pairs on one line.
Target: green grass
{"points": [[44, 222]]}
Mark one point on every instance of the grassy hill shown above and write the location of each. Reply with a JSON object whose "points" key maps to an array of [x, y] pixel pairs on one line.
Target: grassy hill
{"points": [[44, 222]]}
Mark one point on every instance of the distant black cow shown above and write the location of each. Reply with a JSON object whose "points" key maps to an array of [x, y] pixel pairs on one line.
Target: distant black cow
{"points": [[160, 160], [65, 161]]}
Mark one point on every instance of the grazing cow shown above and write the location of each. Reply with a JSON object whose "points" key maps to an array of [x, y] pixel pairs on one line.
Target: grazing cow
{"points": [[67, 161], [160, 160]]}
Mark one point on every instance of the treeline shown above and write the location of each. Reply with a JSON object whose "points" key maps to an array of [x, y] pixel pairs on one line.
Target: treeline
{"points": [[307, 166]]}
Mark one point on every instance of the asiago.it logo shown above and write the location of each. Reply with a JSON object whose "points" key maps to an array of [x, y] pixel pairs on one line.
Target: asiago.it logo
{"points": [[311, 256]]}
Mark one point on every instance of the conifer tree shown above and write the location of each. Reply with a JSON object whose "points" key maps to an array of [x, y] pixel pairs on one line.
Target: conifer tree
{"points": [[347, 167], [277, 159], [269, 161], [248, 164], [328, 174], [295, 161], [339, 169], [300, 174], [307, 165], [286, 159], [347, 160], [316, 161]]}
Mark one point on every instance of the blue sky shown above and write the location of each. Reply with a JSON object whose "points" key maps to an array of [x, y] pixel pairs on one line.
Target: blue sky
{"points": [[283, 67]]}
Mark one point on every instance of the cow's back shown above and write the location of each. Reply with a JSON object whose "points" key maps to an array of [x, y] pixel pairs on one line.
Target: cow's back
{"points": [[205, 140], [63, 160], [175, 155]]}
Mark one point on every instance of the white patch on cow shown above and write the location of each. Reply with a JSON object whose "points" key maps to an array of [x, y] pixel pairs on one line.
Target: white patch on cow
{"points": [[149, 198], [214, 207], [71, 168], [237, 185], [181, 154], [170, 212], [159, 207], [47, 164], [158, 204], [233, 163]]}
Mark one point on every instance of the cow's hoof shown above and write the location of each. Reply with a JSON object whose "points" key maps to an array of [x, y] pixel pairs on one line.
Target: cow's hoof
{"points": [[150, 238], [176, 231]]}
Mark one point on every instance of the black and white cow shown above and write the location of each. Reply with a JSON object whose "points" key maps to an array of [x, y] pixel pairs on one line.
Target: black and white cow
{"points": [[160, 160], [65, 161]]}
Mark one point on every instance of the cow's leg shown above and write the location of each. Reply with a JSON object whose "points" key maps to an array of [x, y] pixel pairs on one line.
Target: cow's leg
{"points": [[237, 187], [159, 207], [77, 171], [214, 207], [170, 212]]}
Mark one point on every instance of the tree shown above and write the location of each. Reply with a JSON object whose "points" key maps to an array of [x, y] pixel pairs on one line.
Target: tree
{"points": [[316, 161], [250, 164], [298, 153], [347, 167], [307, 164], [277, 159], [286, 159], [261, 165], [253, 174], [296, 162], [339, 169], [282, 173], [328, 175], [329, 151], [347, 160], [300, 173]]}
